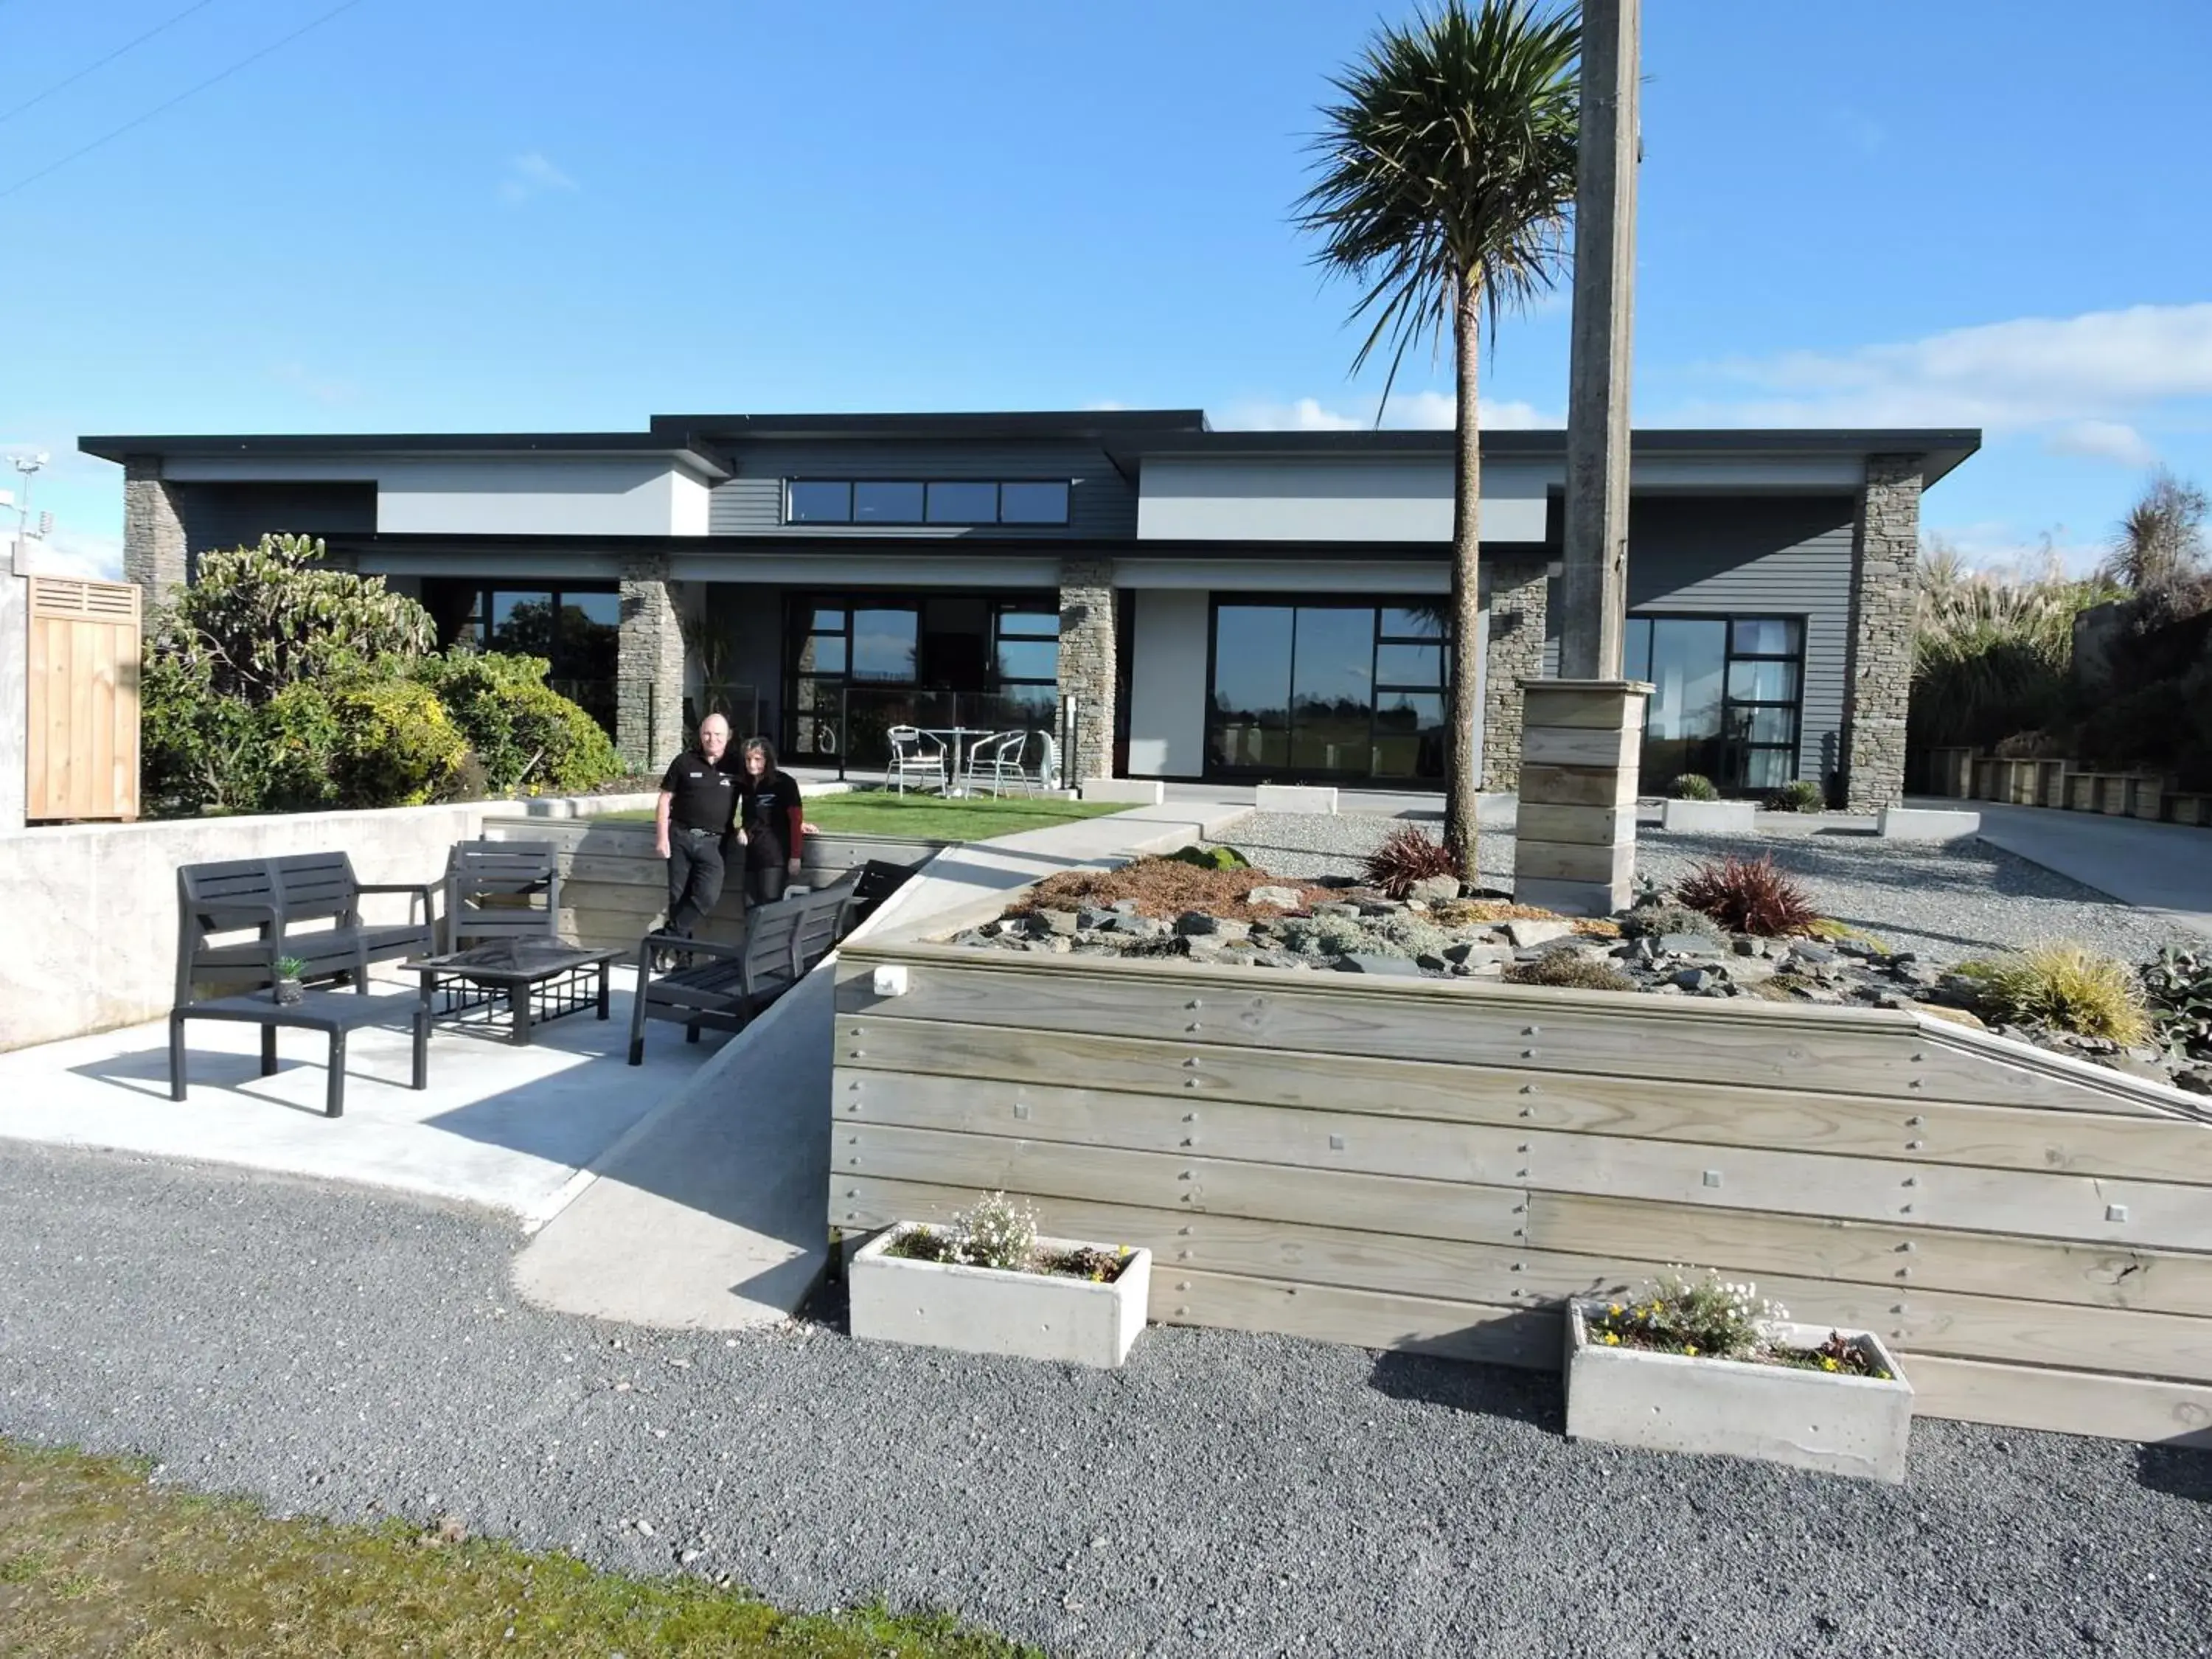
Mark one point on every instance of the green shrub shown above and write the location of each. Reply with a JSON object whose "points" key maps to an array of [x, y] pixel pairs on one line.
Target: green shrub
{"points": [[1694, 785], [297, 741], [1212, 858], [1570, 970], [1707, 1318], [524, 734], [396, 746], [1657, 920], [1798, 795], [2177, 984], [2065, 987]]}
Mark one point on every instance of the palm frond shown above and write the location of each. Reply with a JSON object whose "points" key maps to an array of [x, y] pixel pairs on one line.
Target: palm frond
{"points": [[1447, 167]]}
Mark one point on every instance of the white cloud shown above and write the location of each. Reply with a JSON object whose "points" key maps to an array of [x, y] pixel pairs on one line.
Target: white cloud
{"points": [[531, 175], [1429, 409], [1104, 405], [2004, 549], [2029, 373], [2110, 441], [70, 552]]}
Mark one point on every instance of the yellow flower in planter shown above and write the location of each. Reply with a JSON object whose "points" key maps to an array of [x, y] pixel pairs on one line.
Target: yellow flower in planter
{"points": [[1828, 1363], [1614, 1309], [1690, 1348], [1613, 1339]]}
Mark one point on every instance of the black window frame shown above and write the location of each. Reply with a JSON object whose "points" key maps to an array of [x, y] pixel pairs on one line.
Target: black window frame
{"points": [[1376, 605], [595, 693], [1736, 752], [926, 483]]}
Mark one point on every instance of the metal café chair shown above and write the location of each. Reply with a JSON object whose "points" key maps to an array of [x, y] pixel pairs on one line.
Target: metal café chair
{"points": [[916, 759], [995, 762]]}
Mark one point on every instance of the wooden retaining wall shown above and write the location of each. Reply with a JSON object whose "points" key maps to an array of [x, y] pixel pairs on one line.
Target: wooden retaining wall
{"points": [[1435, 1165], [614, 888]]}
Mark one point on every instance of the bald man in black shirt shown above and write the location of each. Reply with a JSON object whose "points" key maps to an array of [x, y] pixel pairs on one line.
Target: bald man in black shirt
{"points": [[693, 814]]}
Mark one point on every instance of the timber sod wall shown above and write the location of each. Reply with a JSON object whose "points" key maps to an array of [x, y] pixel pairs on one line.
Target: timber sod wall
{"points": [[1434, 1166]]}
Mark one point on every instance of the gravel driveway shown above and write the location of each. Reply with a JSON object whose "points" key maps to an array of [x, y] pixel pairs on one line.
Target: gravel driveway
{"points": [[331, 1350], [1945, 900]]}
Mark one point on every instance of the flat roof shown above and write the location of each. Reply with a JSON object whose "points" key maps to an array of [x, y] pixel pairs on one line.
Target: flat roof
{"points": [[1128, 436], [1942, 447]]}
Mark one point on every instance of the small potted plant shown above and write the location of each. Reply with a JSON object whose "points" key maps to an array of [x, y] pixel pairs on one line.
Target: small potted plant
{"points": [[985, 1283], [1703, 1365], [288, 991]]}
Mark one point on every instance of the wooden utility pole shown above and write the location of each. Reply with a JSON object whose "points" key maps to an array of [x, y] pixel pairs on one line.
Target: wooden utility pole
{"points": [[1593, 594]]}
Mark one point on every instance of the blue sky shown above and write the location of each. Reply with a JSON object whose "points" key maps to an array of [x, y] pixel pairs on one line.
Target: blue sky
{"points": [[425, 216]]}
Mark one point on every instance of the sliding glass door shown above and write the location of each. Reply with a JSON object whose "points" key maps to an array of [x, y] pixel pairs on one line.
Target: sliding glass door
{"points": [[1326, 689]]}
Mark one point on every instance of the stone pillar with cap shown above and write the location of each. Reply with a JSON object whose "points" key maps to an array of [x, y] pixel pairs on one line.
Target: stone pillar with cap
{"points": [[1574, 848]]}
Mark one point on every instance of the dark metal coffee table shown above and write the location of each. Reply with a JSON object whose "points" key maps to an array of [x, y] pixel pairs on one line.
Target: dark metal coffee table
{"points": [[333, 1012], [535, 979]]}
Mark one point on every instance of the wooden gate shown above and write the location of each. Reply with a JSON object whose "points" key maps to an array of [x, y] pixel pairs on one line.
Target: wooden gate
{"points": [[84, 737]]}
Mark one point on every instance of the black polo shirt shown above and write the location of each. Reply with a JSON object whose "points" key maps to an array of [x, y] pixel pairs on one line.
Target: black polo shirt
{"points": [[702, 795]]}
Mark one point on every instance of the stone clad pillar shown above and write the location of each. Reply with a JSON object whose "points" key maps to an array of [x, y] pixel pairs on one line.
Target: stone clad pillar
{"points": [[1513, 654], [1574, 848], [154, 549], [1087, 668], [1885, 581], [649, 666]]}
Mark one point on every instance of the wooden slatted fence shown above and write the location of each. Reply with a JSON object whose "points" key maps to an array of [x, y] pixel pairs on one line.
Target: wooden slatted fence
{"points": [[1435, 1165], [82, 755]]}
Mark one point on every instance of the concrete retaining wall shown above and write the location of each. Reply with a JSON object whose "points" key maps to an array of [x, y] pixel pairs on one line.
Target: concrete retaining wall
{"points": [[91, 910]]}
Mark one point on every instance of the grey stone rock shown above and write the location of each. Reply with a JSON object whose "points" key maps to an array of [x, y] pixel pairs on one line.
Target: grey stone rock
{"points": [[1282, 898], [1126, 907], [1369, 962], [1063, 922], [1751, 970], [1197, 922], [1434, 889], [1473, 953], [1137, 927], [1338, 908], [1691, 944], [1372, 908], [1524, 933], [1090, 919], [1698, 979], [2196, 1080], [1805, 951], [1434, 964]]}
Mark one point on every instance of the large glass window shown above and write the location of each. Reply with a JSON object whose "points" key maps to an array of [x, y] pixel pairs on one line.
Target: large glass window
{"points": [[1345, 690], [1727, 699], [942, 501], [859, 663]]}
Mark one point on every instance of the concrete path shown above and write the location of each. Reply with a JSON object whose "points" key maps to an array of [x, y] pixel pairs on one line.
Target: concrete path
{"points": [[2158, 866], [713, 1213], [499, 1126]]}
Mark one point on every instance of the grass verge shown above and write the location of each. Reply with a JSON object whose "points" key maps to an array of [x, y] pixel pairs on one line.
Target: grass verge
{"points": [[931, 817], [95, 1561]]}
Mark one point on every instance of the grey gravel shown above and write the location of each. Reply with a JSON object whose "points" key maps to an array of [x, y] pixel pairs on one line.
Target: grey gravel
{"points": [[1945, 901], [329, 1350]]}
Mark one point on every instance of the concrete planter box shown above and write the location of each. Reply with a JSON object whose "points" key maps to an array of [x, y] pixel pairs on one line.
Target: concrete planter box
{"points": [[1818, 1420], [1709, 817], [1926, 823], [985, 1311]]}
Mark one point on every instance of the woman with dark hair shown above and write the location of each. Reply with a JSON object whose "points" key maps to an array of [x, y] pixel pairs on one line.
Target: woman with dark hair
{"points": [[774, 820]]}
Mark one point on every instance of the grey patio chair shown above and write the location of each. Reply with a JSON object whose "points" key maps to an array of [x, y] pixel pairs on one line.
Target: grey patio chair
{"points": [[502, 889]]}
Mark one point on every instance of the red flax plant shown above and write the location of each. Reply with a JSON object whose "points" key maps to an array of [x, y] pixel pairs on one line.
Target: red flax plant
{"points": [[1406, 856], [1749, 895]]}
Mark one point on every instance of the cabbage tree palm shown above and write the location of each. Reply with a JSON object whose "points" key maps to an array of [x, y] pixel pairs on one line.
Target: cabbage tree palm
{"points": [[1445, 178]]}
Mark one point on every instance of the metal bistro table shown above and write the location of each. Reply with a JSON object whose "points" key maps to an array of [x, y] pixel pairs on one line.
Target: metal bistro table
{"points": [[955, 784], [335, 1013], [536, 979]]}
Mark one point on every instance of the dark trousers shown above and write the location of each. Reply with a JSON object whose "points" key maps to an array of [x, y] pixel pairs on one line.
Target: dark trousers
{"points": [[764, 883], [694, 878]]}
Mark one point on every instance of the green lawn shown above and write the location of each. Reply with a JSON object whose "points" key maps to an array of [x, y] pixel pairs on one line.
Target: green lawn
{"points": [[94, 1561], [934, 817]]}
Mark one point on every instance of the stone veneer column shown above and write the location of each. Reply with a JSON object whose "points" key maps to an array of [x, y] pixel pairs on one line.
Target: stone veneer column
{"points": [[1087, 668], [1574, 845], [154, 548], [1885, 572], [649, 666], [1514, 653]]}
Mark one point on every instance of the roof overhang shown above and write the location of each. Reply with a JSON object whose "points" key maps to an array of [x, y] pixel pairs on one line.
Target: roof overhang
{"points": [[411, 445]]}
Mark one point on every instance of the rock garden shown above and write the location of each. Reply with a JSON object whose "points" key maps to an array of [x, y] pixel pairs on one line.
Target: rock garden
{"points": [[1726, 926]]}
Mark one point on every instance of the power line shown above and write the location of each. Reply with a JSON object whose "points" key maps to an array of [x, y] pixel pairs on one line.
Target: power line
{"points": [[188, 92], [201, 5]]}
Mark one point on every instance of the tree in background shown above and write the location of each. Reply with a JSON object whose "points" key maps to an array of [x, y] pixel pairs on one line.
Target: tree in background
{"points": [[2159, 555], [1447, 174]]}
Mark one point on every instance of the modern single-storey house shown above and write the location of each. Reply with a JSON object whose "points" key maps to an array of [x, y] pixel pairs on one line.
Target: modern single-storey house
{"points": [[1170, 601]]}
